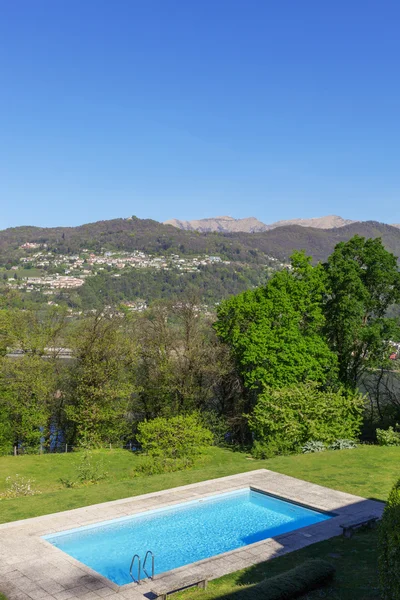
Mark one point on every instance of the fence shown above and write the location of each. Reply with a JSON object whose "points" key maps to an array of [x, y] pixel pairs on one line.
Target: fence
{"points": [[59, 449]]}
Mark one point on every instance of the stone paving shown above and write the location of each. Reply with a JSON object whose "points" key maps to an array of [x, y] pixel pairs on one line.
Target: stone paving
{"points": [[32, 569]]}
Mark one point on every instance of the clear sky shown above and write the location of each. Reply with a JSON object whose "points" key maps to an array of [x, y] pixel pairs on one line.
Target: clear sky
{"points": [[195, 108]]}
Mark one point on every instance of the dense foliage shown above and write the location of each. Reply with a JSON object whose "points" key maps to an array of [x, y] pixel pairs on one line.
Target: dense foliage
{"points": [[270, 371], [182, 436], [99, 383], [275, 331], [389, 547], [363, 281], [388, 437], [210, 283], [125, 368], [287, 418]]}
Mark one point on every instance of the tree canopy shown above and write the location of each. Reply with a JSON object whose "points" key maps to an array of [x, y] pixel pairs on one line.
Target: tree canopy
{"points": [[276, 331], [363, 281]]}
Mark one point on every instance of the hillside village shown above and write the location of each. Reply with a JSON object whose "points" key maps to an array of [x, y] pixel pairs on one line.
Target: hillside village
{"points": [[69, 271]]}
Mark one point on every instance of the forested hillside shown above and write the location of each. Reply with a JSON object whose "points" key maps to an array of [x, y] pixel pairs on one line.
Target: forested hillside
{"points": [[109, 262], [153, 237], [210, 284]]}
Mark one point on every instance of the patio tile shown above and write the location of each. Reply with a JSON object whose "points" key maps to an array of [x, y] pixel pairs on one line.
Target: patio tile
{"points": [[105, 592], [64, 595]]}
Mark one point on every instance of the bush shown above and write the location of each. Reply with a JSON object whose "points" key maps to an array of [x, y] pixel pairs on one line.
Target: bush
{"points": [[90, 469], [343, 445], [389, 547], [274, 447], [313, 446], [388, 437], [308, 576], [18, 486], [156, 465], [292, 416], [179, 437], [217, 425]]}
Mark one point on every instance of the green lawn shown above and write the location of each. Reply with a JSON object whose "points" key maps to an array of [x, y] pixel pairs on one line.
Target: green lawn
{"points": [[356, 571], [369, 471]]}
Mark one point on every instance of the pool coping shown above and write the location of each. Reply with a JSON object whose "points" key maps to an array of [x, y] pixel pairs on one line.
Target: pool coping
{"points": [[31, 568]]}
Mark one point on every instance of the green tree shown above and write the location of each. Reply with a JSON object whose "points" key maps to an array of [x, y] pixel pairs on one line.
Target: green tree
{"points": [[363, 281], [181, 362], [276, 332], [100, 381], [28, 383], [27, 387]]}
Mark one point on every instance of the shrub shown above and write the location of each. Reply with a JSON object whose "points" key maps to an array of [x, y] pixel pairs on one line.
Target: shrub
{"points": [[261, 450], [343, 445], [294, 415], [389, 547], [19, 486], [156, 465], [388, 437], [179, 437], [313, 446], [308, 576], [217, 425], [90, 470]]}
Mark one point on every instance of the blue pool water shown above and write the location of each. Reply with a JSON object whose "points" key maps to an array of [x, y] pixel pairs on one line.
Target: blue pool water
{"points": [[184, 533]]}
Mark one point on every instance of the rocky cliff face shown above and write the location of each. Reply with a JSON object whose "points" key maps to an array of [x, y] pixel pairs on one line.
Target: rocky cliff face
{"points": [[220, 224], [328, 222], [253, 225]]}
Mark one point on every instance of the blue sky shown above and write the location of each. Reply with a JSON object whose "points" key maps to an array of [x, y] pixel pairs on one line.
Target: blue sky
{"points": [[197, 108]]}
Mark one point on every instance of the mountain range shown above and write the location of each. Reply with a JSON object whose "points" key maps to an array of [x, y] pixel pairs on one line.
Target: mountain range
{"points": [[243, 259], [252, 225], [154, 237]]}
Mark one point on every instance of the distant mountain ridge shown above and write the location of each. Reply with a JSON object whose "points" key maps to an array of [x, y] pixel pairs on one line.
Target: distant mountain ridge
{"points": [[227, 224], [153, 237], [221, 225], [328, 222]]}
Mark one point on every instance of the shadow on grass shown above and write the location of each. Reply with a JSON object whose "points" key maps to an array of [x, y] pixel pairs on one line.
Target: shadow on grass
{"points": [[355, 560]]}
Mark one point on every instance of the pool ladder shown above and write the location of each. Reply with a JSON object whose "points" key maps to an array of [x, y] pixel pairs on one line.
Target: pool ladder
{"points": [[136, 556]]}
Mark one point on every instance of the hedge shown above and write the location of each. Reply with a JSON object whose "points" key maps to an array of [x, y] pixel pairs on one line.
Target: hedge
{"points": [[389, 547], [300, 580]]}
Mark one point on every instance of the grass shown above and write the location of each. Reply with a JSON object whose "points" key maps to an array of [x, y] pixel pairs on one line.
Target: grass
{"points": [[369, 471], [356, 576]]}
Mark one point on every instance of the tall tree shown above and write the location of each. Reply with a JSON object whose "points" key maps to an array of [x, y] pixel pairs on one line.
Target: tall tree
{"points": [[27, 387], [181, 361], [275, 332], [100, 383], [28, 382], [363, 281]]}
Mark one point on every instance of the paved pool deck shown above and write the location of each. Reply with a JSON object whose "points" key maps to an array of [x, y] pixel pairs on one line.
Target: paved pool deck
{"points": [[32, 569]]}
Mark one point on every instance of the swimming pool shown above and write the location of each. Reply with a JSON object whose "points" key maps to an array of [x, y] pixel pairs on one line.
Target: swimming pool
{"points": [[184, 533]]}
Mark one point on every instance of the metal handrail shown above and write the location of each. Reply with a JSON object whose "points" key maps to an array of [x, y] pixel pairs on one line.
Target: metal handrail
{"points": [[131, 567], [149, 552]]}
